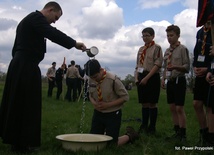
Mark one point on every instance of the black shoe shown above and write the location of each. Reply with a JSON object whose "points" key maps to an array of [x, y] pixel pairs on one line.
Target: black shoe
{"points": [[151, 130], [208, 140], [143, 129], [183, 139], [177, 138], [208, 143], [133, 135], [200, 141], [174, 137]]}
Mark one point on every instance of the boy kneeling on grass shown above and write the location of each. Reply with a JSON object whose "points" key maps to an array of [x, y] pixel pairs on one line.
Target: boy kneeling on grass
{"points": [[107, 94]]}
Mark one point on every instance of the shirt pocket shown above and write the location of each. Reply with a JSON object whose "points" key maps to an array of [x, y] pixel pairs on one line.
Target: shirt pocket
{"points": [[150, 60], [92, 88], [177, 60]]}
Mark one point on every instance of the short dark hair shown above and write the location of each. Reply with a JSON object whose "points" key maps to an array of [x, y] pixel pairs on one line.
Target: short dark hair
{"points": [[53, 63], [53, 4], [174, 28], [72, 62], [149, 30], [92, 67]]}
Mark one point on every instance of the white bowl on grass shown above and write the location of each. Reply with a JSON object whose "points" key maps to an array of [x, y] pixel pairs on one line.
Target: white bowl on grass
{"points": [[85, 142]]}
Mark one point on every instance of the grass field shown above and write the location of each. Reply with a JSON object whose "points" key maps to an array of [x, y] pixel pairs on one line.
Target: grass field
{"points": [[62, 117]]}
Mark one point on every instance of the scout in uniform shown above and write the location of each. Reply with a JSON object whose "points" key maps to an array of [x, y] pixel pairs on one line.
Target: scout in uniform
{"points": [[201, 64], [147, 79], [51, 73], [72, 75], [107, 94], [176, 65]]}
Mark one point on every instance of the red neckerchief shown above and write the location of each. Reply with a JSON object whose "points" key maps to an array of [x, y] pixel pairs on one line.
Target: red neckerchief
{"points": [[171, 50], [143, 54], [99, 92], [204, 39]]}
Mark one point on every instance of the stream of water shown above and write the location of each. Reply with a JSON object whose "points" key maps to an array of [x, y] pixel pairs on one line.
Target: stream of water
{"points": [[82, 120]]}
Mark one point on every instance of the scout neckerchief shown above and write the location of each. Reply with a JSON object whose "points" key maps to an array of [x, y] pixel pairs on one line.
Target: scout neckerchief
{"points": [[204, 39], [170, 53], [146, 46], [99, 92]]}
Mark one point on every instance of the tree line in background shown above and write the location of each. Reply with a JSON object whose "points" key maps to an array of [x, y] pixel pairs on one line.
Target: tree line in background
{"points": [[129, 80]]}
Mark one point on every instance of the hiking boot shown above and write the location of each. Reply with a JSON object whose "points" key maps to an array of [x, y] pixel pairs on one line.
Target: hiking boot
{"points": [[133, 135]]}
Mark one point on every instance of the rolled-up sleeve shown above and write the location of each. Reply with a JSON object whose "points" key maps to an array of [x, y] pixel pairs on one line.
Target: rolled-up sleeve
{"points": [[120, 90], [186, 60], [158, 56]]}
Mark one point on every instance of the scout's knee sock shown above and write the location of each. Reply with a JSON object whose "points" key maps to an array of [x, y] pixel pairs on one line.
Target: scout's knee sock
{"points": [[145, 117], [183, 134], [203, 134], [153, 118], [176, 128], [210, 139]]}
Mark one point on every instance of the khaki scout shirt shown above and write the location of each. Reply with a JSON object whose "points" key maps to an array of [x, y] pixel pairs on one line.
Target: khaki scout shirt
{"points": [[180, 57], [154, 56], [112, 88], [72, 72], [51, 72]]}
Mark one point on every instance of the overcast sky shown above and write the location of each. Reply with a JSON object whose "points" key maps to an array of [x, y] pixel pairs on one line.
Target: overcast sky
{"points": [[114, 26]]}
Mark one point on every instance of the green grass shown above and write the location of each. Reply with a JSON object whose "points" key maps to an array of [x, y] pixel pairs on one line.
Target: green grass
{"points": [[62, 117]]}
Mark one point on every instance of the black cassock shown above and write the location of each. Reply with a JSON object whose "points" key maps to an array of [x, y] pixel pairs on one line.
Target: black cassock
{"points": [[20, 111]]}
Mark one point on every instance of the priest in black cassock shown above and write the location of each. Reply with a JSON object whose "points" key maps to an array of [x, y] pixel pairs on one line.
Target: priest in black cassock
{"points": [[20, 111]]}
